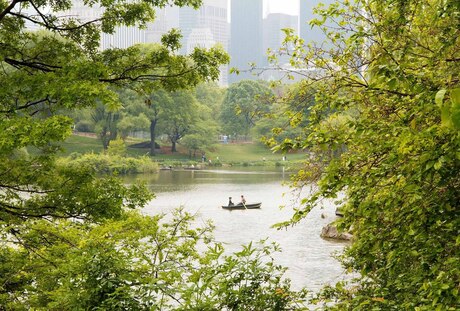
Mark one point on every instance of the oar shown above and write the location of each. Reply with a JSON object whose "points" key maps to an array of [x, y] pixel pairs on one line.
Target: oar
{"points": [[244, 205]]}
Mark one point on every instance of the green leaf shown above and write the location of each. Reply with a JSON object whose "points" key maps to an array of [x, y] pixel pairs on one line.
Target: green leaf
{"points": [[446, 116], [455, 109], [439, 98], [455, 96]]}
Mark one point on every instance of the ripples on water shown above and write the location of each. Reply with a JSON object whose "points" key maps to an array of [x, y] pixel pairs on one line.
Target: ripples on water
{"points": [[304, 252]]}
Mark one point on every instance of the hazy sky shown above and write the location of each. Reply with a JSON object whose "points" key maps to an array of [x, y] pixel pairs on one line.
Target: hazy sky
{"points": [[277, 6], [281, 6]]}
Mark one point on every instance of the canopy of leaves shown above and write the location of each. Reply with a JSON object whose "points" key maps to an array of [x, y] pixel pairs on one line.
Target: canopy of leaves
{"points": [[245, 102], [60, 68], [139, 263], [68, 241], [387, 100], [287, 118]]}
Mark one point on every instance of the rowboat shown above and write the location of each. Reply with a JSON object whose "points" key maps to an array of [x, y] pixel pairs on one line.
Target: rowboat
{"points": [[241, 206]]}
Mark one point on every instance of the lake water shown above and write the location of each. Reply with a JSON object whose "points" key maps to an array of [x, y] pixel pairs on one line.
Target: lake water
{"points": [[305, 253]]}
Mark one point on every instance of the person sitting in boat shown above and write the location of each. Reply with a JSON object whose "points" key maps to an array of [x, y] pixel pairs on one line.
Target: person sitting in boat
{"points": [[243, 200], [230, 203]]}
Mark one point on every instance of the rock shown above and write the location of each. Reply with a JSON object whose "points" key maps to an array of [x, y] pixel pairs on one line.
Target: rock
{"points": [[330, 231]]}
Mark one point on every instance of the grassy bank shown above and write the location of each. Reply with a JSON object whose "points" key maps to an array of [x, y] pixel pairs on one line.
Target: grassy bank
{"points": [[232, 154]]}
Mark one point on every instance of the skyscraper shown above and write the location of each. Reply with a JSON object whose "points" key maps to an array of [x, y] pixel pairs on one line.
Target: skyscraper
{"points": [[306, 15], [246, 37], [166, 18], [122, 38], [274, 36], [205, 27]]}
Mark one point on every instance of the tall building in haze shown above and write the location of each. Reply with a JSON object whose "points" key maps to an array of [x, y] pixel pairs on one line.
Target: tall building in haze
{"points": [[165, 19], [246, 37], [305, 16], [205, 27], [273, 36]]}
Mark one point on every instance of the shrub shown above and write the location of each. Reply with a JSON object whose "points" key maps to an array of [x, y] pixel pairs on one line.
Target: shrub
{"points": [[111, 164], [117, 147]]}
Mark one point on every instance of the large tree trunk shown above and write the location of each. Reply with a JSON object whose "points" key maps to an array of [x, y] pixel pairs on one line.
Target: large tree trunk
{"points": [[153, 124], [105, 143], [104, 138], [173, 146]]}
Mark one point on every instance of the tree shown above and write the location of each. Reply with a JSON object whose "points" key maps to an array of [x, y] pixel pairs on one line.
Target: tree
{"points": [[133, 114], [181, 114], [388, 90], [43, 74], [203, 133], [132, 123], [245, 102], [157, 104], [140, 263], [288, 116], [61, 68], [211, 96], [105, 124]]}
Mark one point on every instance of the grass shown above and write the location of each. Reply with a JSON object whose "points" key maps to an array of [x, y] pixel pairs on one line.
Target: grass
{"points": [[247, 153], [225, 153], [81, 144]]}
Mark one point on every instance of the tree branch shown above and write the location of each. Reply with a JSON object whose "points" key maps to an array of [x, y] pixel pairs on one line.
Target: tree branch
{"points": [[46, 24], [146, 77], [27, 105], [8, 9], [37, 65]]}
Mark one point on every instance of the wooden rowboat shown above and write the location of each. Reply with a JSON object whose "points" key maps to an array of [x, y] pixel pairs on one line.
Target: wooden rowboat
{"points": [[241, 206], [339, 212]]}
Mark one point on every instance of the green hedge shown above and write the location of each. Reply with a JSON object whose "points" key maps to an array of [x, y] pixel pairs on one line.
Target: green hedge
{"points": [[111, 164]]}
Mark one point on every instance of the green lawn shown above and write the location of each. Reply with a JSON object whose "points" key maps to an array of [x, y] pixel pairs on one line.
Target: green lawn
{"points": [[247, 153], [227, 153], [81, 144]]}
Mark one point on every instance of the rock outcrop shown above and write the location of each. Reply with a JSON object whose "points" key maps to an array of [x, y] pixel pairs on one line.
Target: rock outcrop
{"points": [[330, 231]]}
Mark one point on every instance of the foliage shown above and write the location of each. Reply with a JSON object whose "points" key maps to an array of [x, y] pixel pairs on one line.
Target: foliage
{"points": [[84, 126], [195, 142], [111, 163], [244, 104], [105, 124], [44, 207], [181, 115], [203, 132], [132, 123], [117, 147], [386, 105], [210, 95], [134, 117], [288, 116], [138, 263], [60, 68]]}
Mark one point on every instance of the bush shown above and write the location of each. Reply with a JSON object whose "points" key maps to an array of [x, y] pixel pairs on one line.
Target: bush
{"points": [[111, 164], [117, 147]]}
